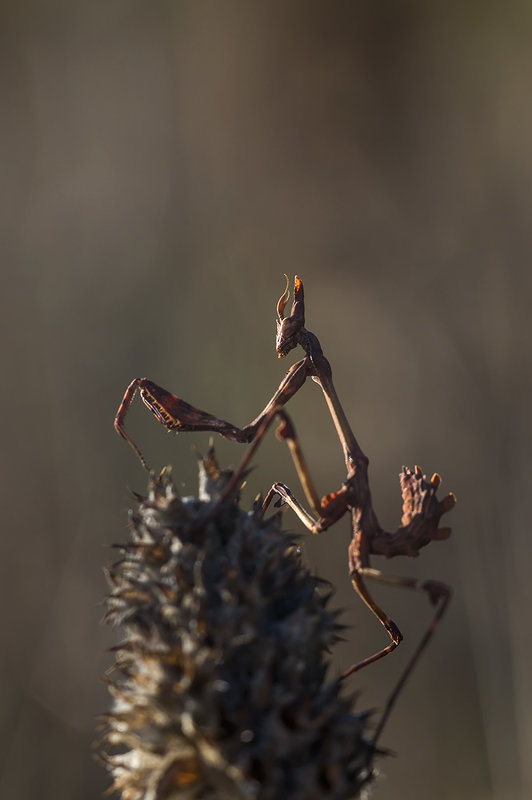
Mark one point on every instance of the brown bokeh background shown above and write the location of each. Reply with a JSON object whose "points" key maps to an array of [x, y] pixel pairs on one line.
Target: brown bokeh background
{"points": [[163, 165]]}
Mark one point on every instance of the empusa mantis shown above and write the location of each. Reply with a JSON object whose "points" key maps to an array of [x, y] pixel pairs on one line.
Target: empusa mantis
{"points": [[421, 508]]}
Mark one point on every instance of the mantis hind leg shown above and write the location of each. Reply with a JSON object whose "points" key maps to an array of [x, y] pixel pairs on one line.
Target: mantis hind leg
{"points": [[439, 595]]}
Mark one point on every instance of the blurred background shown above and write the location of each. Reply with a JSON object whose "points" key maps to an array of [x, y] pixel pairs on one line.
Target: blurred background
{"points": [[163, 164]]}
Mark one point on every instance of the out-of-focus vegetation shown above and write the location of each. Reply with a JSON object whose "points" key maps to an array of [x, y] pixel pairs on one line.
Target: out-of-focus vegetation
{"points": [[163, 165]]}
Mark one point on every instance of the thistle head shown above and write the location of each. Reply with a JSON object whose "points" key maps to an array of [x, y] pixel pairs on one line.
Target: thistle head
{"points": [[219, 686]]}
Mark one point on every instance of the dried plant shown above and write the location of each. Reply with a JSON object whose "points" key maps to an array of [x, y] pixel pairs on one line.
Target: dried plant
{"points": [[220, 684]]}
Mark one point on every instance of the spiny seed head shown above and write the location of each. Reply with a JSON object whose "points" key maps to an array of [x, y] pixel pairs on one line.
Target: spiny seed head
{"points": [[219, 686]]}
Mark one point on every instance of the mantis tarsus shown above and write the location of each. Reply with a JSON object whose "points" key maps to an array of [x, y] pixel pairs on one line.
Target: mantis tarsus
{"points": [[421, 508]]}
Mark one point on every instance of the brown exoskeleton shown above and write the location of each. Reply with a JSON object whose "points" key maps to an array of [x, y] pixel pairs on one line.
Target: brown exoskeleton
{"points": [[421, 508]]}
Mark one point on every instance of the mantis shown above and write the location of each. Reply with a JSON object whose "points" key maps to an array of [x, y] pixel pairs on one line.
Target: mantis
{"points": [[422, 510]]}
